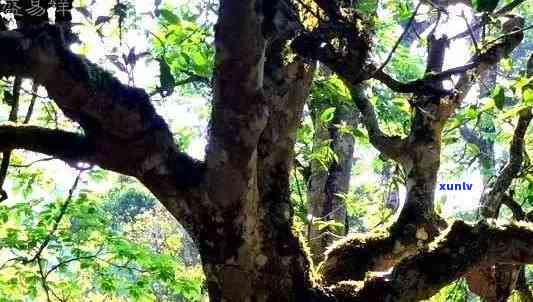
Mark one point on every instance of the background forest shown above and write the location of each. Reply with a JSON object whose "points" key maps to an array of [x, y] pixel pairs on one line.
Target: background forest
{"points": [[74, 232]]}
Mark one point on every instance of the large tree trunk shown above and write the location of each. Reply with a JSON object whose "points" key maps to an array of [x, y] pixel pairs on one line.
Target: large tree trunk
{"points": [[248, 248]]}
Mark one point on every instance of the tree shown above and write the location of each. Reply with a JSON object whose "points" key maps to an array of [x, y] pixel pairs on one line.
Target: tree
{"points": [[236, 202]]}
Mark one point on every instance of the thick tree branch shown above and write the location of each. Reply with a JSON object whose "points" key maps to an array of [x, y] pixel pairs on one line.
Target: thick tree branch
{"points": [[355, 256], [417, 87], [492, 200], [348, 61], [342, 46], [463, 248], [122, 130], [392, 147], [276, 145], [117, 120], [67, 146]]}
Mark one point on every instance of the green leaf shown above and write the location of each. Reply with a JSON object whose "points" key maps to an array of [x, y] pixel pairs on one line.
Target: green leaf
{"points": [[328, 115], [471, 113], [359, 133], [169, 16], [367, 7], [498, 94]]}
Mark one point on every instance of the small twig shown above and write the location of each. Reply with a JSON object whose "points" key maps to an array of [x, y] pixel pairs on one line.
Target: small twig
{"points": [[16, 259], [34, 162], [121, 266], [58, 219], [65, 262], [523, 29]]}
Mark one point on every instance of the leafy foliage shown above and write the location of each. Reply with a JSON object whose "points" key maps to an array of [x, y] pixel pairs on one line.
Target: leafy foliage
{"points": [[73, 250]]}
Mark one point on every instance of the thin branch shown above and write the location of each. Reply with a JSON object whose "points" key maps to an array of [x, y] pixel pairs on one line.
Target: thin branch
{"points": [[65, 262], [405, 31], [58, 219], [34, 162], [130, 126], [121, 266], [392, 147], [502, 11], [16, 259], [43, 279], [63, 145], [489, 57], [417, 87]]}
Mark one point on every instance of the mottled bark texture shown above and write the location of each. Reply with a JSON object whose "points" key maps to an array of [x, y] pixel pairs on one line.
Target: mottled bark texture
{"points": [[236, 203], [462, 247]]}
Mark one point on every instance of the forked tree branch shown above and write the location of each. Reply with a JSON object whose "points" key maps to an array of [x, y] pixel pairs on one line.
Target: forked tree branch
{"points": [[461, 249], [122, 131], [350, 68], [123, 127], [392, 147], [422, 86]]}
